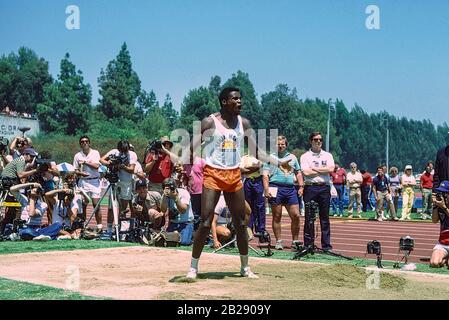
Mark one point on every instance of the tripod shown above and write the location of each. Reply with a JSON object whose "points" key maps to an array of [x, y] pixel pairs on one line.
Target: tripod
{"points": [[113, 204], [311, 211]]}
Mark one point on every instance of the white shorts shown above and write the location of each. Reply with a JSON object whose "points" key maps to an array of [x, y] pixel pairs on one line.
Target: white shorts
{"points": [[440, 246], [91, 187], [125, 189]]}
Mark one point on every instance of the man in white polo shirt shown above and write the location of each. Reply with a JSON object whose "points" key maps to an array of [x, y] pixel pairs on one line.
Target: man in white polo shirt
{"points": [[86, 163], [316, 165]]}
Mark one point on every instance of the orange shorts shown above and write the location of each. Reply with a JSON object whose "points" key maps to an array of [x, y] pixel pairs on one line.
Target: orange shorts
{"points": [[227, 180]]}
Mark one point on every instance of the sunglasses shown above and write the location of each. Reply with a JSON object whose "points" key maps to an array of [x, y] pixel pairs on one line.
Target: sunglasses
{"points": [[317, 140], [84, 141]]}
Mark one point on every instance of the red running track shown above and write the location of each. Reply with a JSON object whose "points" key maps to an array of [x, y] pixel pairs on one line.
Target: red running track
{"points": [[350, 236]]}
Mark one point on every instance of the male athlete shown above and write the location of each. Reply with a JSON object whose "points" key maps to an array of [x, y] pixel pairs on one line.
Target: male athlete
{"points": [[222, 173]]}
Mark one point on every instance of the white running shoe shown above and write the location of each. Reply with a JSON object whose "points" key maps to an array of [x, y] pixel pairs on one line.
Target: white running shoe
{"points": [[64, 237], [247, 273], [42, 238], [192, 273], [279, 245]]}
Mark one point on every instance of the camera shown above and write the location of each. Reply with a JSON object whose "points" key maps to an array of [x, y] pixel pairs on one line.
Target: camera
{"points": [[39, 191], [173, 213], [62, 195], [155, 146], [263, 236], [171, 185], [312, 208], [116, 161], [439, 196], [373, 247], [406, 243]]}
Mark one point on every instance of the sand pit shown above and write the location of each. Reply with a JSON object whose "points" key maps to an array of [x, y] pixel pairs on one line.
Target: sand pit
{"points": [[157, 273]]}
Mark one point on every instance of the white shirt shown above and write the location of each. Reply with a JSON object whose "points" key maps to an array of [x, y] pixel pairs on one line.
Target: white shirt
{"points": [[354, 179], [61, 216], [132, 159], [222, 211], [93, 157], [317, 160], [187, 215], [40, 209]]}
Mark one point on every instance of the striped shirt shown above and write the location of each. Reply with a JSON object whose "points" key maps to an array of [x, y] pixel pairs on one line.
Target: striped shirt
{"points": [[12, 169]]}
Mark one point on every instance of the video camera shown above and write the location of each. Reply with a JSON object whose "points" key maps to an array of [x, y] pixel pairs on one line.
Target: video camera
{"points": [[312, 208], [373, 247], [264, 236], [171, 185], [406, 243], [114, 166]]}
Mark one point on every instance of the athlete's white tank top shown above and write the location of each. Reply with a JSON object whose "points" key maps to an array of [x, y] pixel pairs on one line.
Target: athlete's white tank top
{"points": [[224, 151]]}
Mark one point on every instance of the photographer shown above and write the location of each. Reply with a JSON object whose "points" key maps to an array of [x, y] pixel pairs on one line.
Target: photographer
{"points": [[222, 228], [33, 209], [177, 202], [146, 205], [66, 204], [316, 164], [125, 166], [16, 169], [440, 213], [5, 157], [18, 145], [158, 164], [87, 163]]}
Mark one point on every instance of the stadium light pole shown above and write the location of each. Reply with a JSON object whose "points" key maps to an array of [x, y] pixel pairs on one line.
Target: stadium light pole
{"points": [[385, 118], [328, 124]]}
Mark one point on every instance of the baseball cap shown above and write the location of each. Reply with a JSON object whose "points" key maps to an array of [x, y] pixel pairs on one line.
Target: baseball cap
{"points": [[141, 183], [30, 151], [166, 139], [407, 167], [444, 186]]}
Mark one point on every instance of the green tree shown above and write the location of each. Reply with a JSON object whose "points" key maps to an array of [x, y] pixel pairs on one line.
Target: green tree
{"points": [[169, 113], [119, 88], [23, 77], [155, 125], [66, 102], [146, 102]]}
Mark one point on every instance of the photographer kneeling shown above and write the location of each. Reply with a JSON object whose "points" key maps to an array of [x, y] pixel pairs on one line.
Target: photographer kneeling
{"points": [[440, 213], [177, 202], [146, 205], [33, 209]]}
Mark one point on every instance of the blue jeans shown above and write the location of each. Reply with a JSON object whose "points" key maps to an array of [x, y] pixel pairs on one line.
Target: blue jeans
{"points": [[185, 229], [31, 232], [338, 202]]}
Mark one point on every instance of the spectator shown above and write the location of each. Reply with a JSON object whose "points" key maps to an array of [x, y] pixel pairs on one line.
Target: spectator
{"points": [[408, 181], [395, 185], [221, 227], [18, 145], [441, 168], [426, 190], [146, 205], [382, 191], [316, 166], [194, 174], [279, 188], [125, 176], [176, 202], [366, 190], [159, 165], [138, 171], [5, 157], [87, 163], [354, 179], [254, 191], [338, 180]]}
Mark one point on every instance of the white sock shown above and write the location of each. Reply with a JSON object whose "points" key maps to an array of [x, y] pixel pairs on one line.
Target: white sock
{"points": [[244, 261], [194, 263], [99, 226], [109, 227]]}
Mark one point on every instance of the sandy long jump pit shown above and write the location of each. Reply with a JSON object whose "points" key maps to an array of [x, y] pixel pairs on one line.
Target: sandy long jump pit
{"points": [[158, 273]]}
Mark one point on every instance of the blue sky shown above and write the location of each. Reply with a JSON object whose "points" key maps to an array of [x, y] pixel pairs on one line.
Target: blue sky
{"points": [[320, 47]]}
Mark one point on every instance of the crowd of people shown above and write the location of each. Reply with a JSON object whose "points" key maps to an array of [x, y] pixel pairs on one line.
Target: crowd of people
{"points": [[215, 198], [12, 113]]}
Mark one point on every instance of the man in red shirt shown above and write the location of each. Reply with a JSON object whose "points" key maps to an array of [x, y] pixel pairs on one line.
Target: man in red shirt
{"points": [[159, 166], [366, 190], [426, 189], [339, 180]]}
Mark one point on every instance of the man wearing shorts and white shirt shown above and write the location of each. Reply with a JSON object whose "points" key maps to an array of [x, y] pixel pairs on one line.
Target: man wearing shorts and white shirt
{"points": [[440, 213], [125, 176], [86, 163]]}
